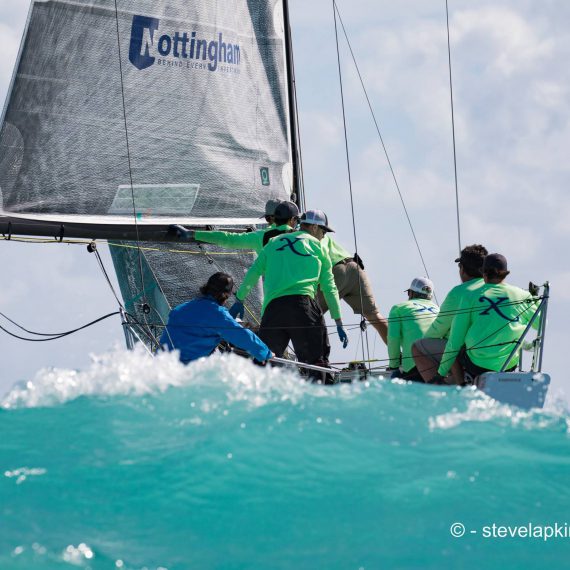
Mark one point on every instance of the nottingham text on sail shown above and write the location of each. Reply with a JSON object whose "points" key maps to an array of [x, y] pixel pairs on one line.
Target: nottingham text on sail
{"points": [[146, 45]]}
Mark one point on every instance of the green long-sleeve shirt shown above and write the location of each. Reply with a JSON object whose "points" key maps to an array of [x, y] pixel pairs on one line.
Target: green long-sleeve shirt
{"points": [[442, 324], [489, 322], [232, 240], [407, 323], [293, 264], [336, 252]]}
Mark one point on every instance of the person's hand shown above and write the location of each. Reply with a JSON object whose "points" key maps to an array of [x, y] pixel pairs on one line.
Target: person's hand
{"points": [[237, 310], [268, 357], [343, 337], [180, 232]]}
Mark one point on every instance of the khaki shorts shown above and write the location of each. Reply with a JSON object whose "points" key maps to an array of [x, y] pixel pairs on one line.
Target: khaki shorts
{"points": [[433, 348], [350, 280]]}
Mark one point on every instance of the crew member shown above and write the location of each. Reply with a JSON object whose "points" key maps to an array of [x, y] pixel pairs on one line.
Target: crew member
{"points": [[293, 265], [408, 322], [197, 327], [350, 278], [489, 323], [427, 352]]}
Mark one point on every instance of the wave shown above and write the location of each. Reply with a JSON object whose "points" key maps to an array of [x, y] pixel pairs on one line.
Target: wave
{"points": [[231, 378]]}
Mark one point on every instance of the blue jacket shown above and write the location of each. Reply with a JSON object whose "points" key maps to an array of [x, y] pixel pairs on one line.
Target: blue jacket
{"points": [[197, 327]]}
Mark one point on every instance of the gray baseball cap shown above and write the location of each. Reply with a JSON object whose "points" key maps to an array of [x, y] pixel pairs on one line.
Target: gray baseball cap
{"points": [[270, 206]]}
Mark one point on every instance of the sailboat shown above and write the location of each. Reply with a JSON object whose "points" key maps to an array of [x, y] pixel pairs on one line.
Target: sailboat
{"points": [[121, 121]]}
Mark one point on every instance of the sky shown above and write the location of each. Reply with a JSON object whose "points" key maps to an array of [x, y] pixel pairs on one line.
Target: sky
{"points": [[511, 91]]}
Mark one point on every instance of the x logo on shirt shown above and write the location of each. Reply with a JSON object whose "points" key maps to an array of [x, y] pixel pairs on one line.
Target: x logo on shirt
{"points": [[291, 244], [495, 306], [423, 308]]}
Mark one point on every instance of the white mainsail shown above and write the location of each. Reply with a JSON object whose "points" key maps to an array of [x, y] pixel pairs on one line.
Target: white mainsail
{"points": [[124, 117]]}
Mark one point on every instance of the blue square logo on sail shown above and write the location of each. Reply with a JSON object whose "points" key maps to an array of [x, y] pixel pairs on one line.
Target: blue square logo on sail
{"points": [[264, 171], [142, 30]]}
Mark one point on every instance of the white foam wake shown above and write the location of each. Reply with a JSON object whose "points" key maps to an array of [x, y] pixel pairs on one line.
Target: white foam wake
{"points": [[123, 372], [482, 408]]}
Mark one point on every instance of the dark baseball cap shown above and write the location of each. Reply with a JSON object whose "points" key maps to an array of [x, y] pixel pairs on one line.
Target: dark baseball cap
{"points": [[286, 211], [471, 259], [495, 261]]}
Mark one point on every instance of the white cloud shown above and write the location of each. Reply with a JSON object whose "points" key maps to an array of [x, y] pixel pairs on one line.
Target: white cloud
{"points": [[9, 42], [561, 284], [550, 94], [12, 19], [561, 220], [512, 41], [518, 242], [321, 129]]}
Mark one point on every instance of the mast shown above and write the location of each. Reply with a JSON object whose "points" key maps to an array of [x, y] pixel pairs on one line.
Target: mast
{"points": [[293, 119]]}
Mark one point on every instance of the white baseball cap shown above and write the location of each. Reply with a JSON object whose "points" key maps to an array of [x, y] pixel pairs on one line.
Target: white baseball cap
{"points": [[317, 217], [422, 285]]}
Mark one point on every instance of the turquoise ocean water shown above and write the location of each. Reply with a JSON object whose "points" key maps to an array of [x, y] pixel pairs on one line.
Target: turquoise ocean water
{"points": [[137, 463]]}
